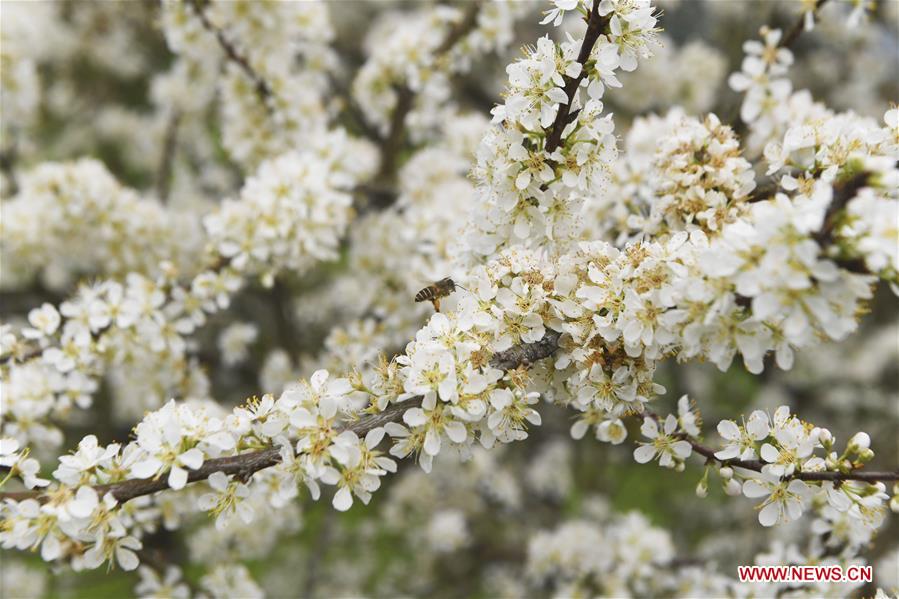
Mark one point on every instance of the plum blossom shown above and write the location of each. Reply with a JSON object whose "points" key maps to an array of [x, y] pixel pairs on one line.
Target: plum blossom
{"points": [[663, 444], [785, 500]]}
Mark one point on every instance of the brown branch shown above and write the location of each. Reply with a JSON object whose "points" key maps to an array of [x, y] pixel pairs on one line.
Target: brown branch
{"points": [[8, 157], [756, 465], [527, 353], [596, 25], [167, 158], [842, 194], [396, 135], [405, 97], [263, 89], [244, 465], [798, 27], [460, 29]]}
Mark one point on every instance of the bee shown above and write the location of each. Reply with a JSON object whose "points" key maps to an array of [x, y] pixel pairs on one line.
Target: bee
{"points": [[433, 292]]}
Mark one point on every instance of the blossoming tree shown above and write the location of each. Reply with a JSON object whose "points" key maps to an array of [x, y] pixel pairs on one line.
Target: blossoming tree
{"points": [[209, 200]]}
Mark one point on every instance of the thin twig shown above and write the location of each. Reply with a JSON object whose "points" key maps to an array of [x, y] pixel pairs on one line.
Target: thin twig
{"points": [[798, 27], [756, 465], [8, 158], [395, 139], [167, 158], [263, 89]]}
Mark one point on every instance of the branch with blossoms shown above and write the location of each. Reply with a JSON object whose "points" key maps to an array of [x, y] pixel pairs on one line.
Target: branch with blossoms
{"points": [[843, 470], [76, 333], [596, 26], [788, 474], [262, 87], [405, 96], [243, 466], [805, 22]]}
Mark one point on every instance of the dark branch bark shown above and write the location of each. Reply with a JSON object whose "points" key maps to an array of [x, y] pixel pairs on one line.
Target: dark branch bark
{"points": [[842, 194], [756, 465], [527, 353], [798, 27], [8, 158], [396, 135], [596, 25], [263, 89], [167, 159], [405, 97]]}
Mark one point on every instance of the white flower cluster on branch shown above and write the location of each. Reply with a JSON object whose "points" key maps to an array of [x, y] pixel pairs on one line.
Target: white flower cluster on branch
{"points": [[291, 214]]}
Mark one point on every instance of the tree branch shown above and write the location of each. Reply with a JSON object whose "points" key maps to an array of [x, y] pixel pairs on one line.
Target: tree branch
{"points": [[756, 465], [596, 25], [166, 160], [798, 27], [842, 194], [263, 89], [244, 465], [405, 97], [527, 353], [460, 29], [8, 158]]}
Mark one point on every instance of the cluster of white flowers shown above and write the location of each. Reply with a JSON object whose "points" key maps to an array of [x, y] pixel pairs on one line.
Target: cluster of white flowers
{"points": [[409, 53], [106, 324], [289, 215], [839, 148], [44, 228], [20, 37], [285, 45], [370, 303], [763, 79], [787, 446], [702, 178], [531, 193], [622, 556]]}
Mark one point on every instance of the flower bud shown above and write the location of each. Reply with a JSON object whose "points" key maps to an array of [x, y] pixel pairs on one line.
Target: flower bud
{"points": [[726, 472], [733, 487], [825, 437], [702, 489], [859, 442]]}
